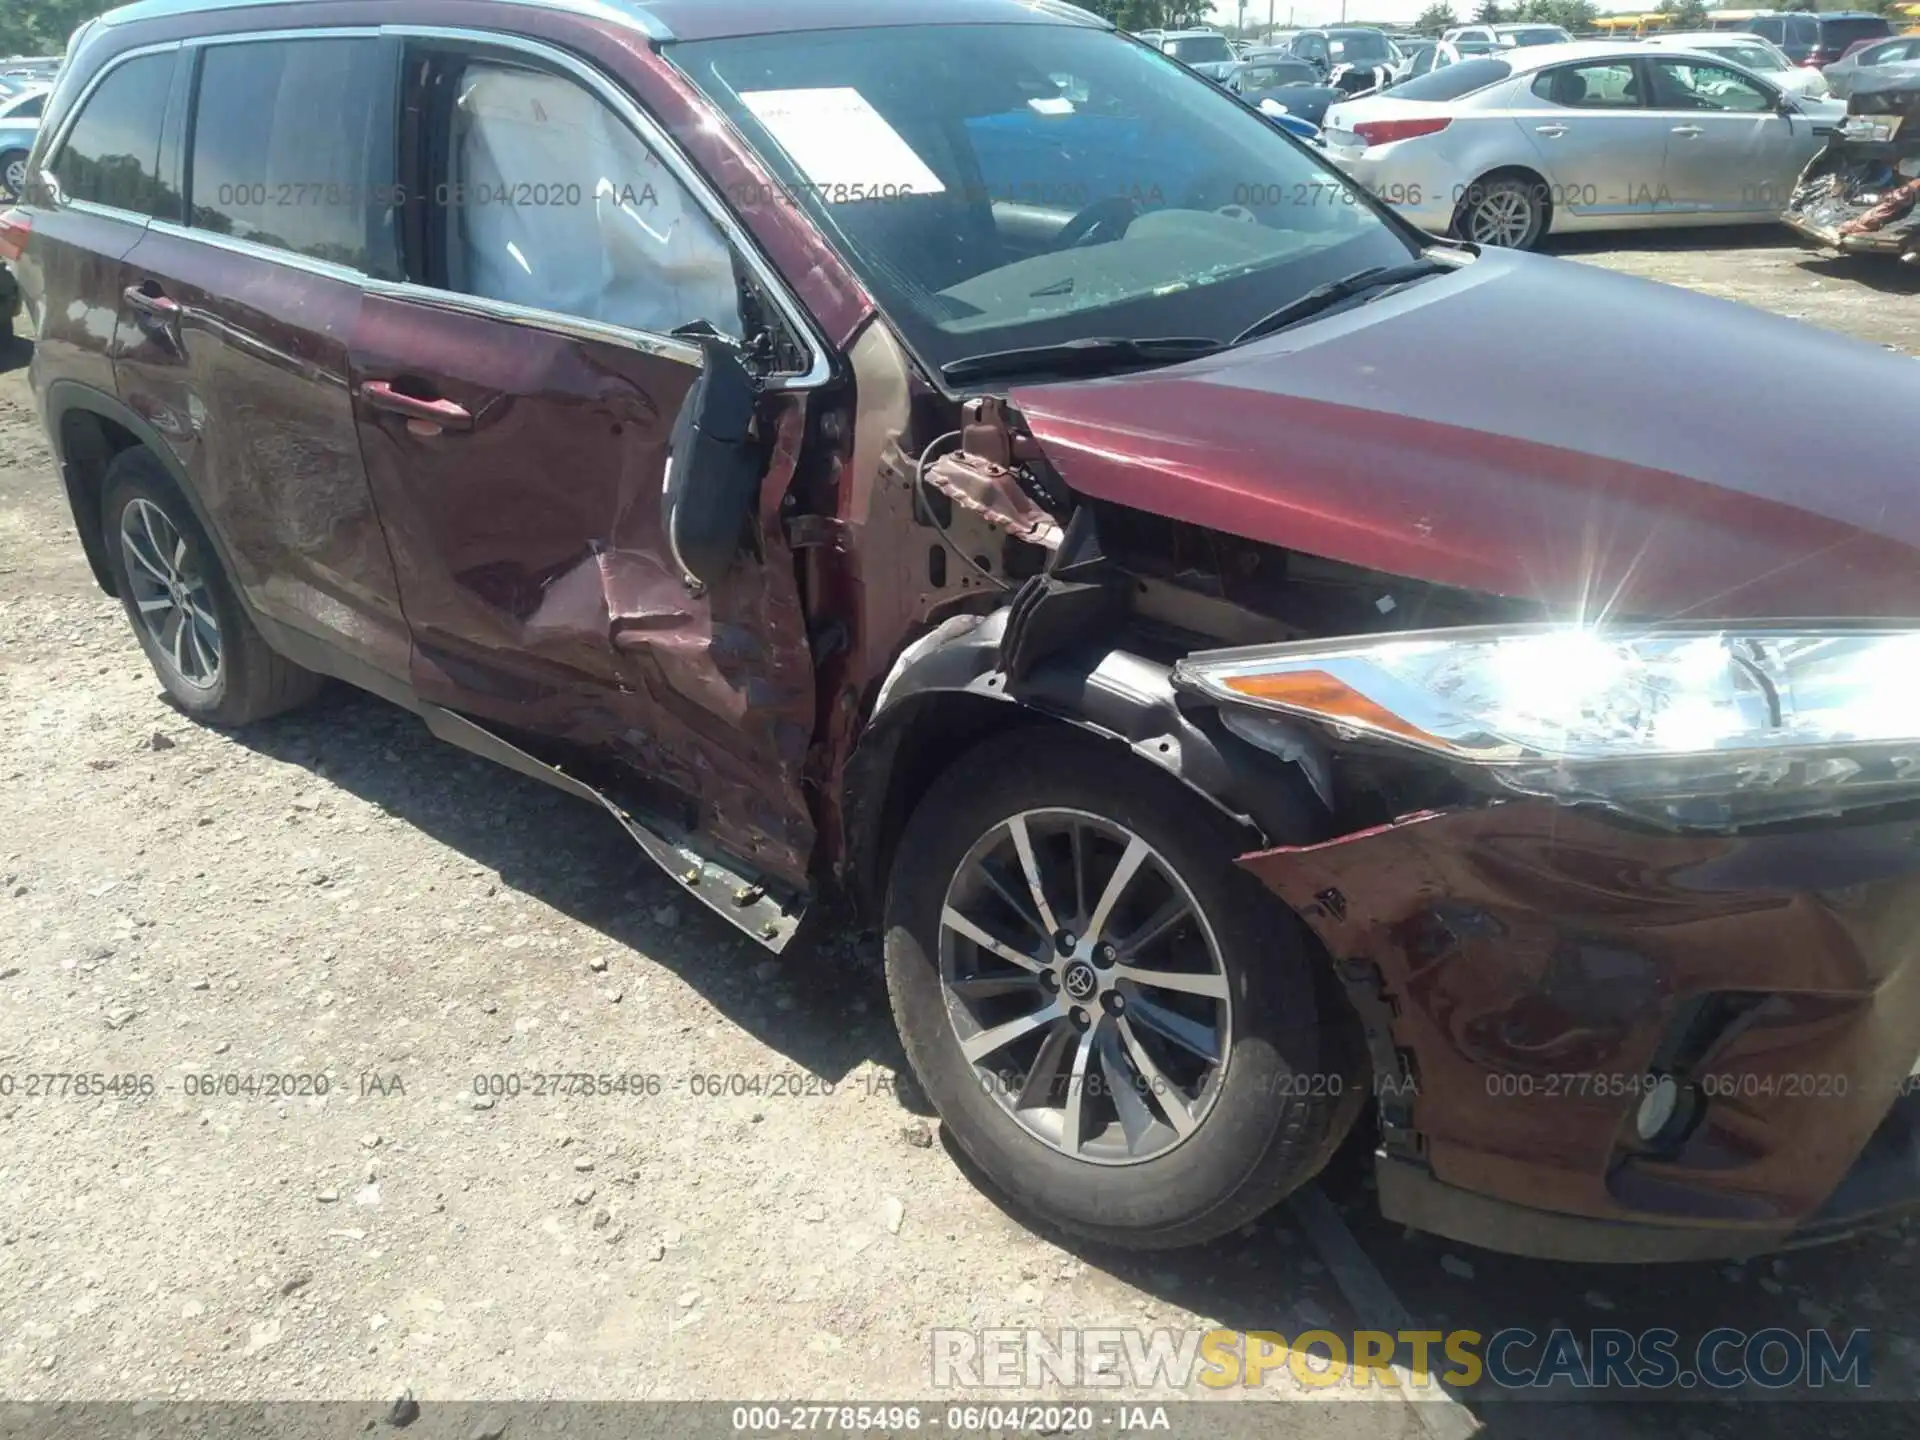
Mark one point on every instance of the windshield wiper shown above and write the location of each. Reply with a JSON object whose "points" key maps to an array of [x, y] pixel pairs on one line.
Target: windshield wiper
{"points": [[1092, 352], [1325, 297]]}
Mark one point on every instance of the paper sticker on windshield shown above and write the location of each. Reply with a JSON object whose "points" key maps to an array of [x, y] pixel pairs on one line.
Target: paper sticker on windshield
{"points": [[844, 146]]}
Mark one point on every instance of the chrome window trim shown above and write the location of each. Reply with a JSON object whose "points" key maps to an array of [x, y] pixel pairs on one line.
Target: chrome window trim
{"points": [[669, 347], [105, 212], [633, 16], [72, 117], [819, 366], [240, 246], [316, 32]]}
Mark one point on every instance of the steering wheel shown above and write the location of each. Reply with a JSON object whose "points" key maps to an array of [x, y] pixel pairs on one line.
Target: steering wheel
{"points": [[1110, 213]]}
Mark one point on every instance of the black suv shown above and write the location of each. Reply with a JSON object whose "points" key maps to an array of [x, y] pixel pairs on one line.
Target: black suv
{"points": [[1818, 39]]}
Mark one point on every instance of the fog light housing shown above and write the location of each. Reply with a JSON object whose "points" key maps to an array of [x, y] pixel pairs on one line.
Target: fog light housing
{"points": [[1667, 1113]]}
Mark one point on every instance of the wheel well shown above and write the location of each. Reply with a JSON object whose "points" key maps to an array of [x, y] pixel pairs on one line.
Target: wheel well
{"points": [[88, 444], [930, 734], [898, 763], [1512, 172]]}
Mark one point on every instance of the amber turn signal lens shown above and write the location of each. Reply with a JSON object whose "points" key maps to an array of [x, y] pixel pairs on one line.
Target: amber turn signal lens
{"points": [[1318, 693]]}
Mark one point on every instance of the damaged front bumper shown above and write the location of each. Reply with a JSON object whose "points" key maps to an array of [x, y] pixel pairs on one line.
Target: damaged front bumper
{"points": [[1532, 972]]}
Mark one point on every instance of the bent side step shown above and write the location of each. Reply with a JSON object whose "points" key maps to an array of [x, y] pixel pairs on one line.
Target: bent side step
{"points": [[735, 898]]}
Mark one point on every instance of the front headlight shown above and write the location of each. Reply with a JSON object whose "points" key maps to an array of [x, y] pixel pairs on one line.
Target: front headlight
{"points": [[1703, 722]]}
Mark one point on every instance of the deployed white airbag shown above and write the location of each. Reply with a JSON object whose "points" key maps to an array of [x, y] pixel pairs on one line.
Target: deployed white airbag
{"points": [[557, 205]]}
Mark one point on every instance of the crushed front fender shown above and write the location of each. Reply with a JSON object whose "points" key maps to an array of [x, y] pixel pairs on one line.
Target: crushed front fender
{"points": [[1537, 968]]}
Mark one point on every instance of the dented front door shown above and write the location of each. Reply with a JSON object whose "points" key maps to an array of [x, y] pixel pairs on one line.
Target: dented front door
{"points": [[517, 466]]}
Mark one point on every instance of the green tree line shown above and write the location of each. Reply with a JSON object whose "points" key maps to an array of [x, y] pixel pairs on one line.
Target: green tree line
{"points": [[41, 27]]}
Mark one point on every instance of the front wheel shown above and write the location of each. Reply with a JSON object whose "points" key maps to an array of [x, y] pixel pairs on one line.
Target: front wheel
{"points": [[1120, 1027]]}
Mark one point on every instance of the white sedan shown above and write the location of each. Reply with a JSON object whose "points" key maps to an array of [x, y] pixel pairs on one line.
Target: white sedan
{"points": [[1750, 52], [1505, 149]]}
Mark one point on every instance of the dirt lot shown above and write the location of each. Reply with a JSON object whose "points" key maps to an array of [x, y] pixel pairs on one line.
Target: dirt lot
{"points": [[337, 894]]}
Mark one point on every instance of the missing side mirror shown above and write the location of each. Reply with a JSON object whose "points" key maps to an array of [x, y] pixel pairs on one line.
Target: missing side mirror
{"points": [[713, 468]]}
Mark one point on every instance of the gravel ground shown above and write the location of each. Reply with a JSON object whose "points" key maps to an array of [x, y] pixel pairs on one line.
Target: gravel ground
{"points": [[336, 894]]}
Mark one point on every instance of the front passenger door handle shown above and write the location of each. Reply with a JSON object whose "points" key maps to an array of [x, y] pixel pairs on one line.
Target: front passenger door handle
{"points": [[148, 300], [430, 414], [1551, 131], [1688, 130]]}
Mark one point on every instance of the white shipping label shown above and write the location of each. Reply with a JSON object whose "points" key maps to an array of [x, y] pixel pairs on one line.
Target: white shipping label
{"points": [[842, 144]]}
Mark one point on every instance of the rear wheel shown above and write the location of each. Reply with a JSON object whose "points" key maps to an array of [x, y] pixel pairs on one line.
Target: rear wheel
{"points": [[1117, 1024], [1507, 211], [203, 647]]}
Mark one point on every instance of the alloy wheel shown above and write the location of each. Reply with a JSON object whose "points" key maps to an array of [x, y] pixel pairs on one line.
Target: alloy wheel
{"points": [[14, 178], [1085, 986], [1501, 218], [170, 594]]}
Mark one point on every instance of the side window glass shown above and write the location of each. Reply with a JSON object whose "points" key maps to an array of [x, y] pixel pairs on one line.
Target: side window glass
{"points": [[111, 156], [28, 109], [1687, 86], [265, 168], [1609, 86], [551, 201]]}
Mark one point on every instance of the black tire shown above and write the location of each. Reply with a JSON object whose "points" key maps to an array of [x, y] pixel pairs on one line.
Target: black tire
{"points": [[1272, 1124], [251, 681], [1505, 194]]}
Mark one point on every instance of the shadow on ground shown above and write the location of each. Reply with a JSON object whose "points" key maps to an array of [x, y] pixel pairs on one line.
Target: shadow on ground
{"points": [[1876, 272], [572, 856], [1269, 1276]]}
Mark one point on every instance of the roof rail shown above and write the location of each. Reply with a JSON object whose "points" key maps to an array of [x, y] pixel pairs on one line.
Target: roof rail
{"points": [[631, 13]]}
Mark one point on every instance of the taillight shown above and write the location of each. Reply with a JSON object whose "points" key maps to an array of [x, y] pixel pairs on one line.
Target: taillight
{"points": [[15, 227], [1382, 132]]}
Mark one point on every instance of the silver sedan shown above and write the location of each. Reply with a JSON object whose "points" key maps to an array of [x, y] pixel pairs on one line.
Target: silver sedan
{"points": [[1506, 149]]}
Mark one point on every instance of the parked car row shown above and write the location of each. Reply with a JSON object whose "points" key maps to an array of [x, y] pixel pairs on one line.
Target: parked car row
{"points": [[22, 99], [990, 477], [1818, 39], [1753, 53], [1506, 149], [1859, 64]]}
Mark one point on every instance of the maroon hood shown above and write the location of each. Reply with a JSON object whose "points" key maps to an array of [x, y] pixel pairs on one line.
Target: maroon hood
{"points": [[1537, 429]]}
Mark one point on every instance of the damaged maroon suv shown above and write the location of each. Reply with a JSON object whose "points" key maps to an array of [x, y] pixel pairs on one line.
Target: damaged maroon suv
{"points": [[1273, 675]]}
